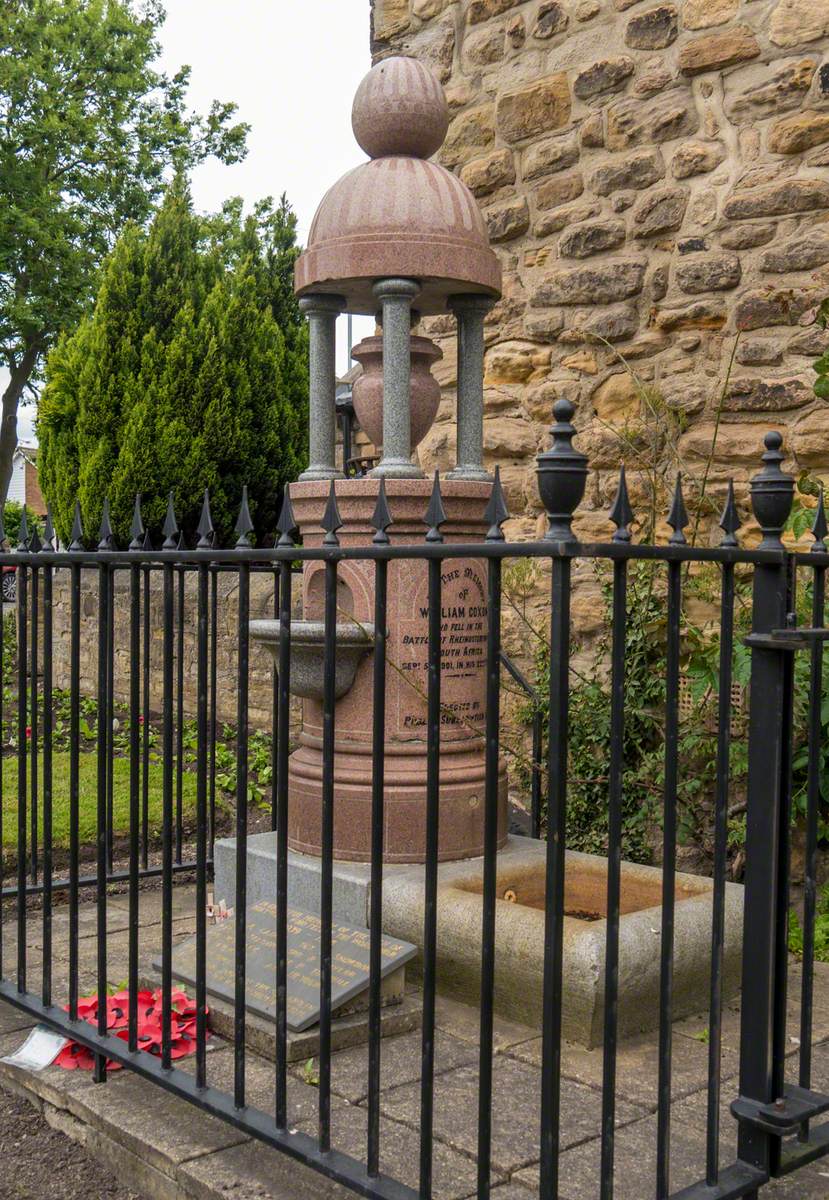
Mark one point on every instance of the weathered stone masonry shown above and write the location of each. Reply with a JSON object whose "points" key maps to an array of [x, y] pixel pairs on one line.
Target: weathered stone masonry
{"points": [[654, 175]]}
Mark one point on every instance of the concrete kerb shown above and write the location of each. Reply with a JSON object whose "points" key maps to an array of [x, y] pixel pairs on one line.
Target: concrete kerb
{"points": [[157, 1143]]}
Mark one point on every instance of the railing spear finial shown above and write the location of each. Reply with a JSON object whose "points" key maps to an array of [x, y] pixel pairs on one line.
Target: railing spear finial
{"points": [[678, 516], [820, 528], [730, 519], [621, 514], [496, 511]]}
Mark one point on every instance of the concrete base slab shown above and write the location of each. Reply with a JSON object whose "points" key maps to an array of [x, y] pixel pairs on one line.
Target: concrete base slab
{"points": [[352, 1030]]}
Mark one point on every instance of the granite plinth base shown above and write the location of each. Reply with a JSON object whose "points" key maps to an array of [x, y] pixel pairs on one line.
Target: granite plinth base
{"points": [[351, 880], [519, 933]]}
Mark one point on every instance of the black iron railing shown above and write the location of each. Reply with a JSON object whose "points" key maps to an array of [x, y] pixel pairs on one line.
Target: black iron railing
{"points": [[777, 1120]]}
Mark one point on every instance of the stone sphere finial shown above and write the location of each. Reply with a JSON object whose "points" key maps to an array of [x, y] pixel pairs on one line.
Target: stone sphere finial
{"points": [[400, 109]]}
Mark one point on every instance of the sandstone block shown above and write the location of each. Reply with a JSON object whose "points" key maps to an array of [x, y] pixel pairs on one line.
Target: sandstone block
{"points": [[638, 171], [515, 362], [550, 20], [811, 437], [617, 400], [616, 323], [509, 437], [560, 190], [811, 342], [508, 220], [560, 218], [702, 314], [746, 237], [516, 31], [426, 9], [435, 46], [769, 95], [484, 47], [708, 273], [534, 108], [592, 131], [544, 326], [798, 132], [606, 75], [778, 198], [482, 10], [583, 361], [660, 211], [739, 443], [718, 50], [605, 283], [766, 395], [655, 78], [547, 157], [594, 237], [801, 253], [484, 175], [586, 10], [759, 352], [654, 29], [659, 282], [696, 158], [794, 22], [702, 14], [468, 134], [390, 17], [631, 123], [763, 307]]}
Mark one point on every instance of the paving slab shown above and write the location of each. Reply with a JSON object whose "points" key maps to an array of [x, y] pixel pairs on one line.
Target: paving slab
{"points": [[260, 1083], [694, 1026], [463, 1022], [400, 1062], [252, 1171], [12, 1019], [455, 1174], [637, 1065], [151, 1122], [635, 1154], [516, 1111]]}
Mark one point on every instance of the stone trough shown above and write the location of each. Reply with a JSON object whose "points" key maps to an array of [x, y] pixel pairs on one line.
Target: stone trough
{"points": [[519, 929]]}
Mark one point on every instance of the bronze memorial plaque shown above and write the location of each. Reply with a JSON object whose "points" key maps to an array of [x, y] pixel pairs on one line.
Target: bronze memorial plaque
{"points": [[349, 963]]}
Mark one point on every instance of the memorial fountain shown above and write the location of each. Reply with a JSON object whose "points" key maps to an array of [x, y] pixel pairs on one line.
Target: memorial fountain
{"points": [[400, 237]]}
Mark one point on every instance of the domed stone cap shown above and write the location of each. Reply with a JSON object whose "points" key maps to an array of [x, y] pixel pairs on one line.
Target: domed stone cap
{"points": [[399, 215]]}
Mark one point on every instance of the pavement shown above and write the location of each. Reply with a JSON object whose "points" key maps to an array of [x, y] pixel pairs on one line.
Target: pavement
{"points": [[162, 1148]]}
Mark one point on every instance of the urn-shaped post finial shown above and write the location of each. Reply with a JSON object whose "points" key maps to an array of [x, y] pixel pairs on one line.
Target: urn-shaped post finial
{"points": [[772, 492], [562, 475]]}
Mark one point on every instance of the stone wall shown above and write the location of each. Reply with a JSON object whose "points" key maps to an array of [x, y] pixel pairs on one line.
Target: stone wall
{"points": [[261, 663], [654, 179]]}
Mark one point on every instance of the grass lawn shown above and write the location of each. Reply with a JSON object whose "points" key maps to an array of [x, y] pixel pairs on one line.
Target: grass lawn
{"points": [[88, 805]]}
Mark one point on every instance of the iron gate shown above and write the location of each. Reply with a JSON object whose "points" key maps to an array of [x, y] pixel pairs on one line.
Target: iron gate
{"points": [[779, 1130]]}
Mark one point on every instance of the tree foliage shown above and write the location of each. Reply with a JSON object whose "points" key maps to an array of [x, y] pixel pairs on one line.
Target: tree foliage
{"points": [[190, 372], [89, 131]]}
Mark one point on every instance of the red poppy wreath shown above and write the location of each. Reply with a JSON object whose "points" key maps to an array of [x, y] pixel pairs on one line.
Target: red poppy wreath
{"points": [[75, 1057]]}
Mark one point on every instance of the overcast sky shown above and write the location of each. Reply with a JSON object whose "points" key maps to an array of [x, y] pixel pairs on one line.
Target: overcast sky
{"points": [[292, 66]]}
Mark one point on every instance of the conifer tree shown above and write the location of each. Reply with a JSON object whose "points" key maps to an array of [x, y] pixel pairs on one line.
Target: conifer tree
{"points": [[190, 372]]}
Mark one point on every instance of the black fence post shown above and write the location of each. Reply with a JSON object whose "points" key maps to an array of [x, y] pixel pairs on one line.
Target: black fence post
{"points": [[771, 495]]}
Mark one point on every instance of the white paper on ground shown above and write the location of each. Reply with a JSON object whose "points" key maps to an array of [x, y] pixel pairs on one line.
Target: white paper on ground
{"points": [[39, 1050]]}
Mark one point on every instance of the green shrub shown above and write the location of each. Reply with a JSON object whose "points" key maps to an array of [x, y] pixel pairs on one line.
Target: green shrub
{"points": [[190, 372]]}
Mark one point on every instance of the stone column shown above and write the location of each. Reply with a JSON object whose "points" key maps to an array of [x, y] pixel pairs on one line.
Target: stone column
{"points": [[470, 312], [322, 312], [396, 296]]}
